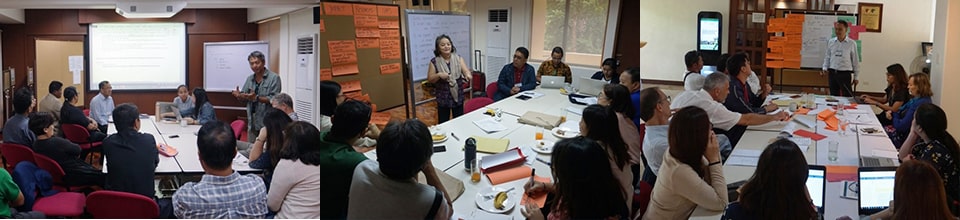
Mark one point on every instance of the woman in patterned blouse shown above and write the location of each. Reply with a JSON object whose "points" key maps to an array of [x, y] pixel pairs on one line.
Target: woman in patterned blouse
{"points": [[929, 141], [447, 71]]}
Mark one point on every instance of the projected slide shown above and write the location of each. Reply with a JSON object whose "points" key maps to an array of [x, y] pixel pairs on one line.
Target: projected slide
{"points": [[137, 56]]}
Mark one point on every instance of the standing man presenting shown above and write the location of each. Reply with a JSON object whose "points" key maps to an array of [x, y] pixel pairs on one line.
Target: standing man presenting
{"points": [[841, 60], [257, 91]]}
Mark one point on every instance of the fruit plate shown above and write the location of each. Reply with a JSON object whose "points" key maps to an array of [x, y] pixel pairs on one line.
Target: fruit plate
{"points": [[542, 146], [513, 198], [564, 132]]}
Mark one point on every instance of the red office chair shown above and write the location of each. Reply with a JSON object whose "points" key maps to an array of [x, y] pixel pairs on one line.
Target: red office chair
{"points": [[15, 153], [62, 204], [56, 173], [491, 89], [476, 103], [106, 204], [81, 136], [238, 126]]}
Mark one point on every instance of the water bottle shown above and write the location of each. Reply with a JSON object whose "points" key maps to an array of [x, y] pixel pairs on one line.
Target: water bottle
{"points": [[469, 153]]}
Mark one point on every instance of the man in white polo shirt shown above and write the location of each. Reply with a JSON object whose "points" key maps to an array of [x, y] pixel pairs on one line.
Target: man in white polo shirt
{"points": [[841, 61], [715, 90]]}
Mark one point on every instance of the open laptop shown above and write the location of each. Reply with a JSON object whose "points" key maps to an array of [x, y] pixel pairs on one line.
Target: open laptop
{"points": [[875, 188], [872, 161], [816, 183], [552, 82], [591, 87]]}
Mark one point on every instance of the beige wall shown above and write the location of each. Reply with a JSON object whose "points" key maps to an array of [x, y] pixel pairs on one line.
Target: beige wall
{"points": [[670, 27], [270, 31], [52, 64], [946, 75]]}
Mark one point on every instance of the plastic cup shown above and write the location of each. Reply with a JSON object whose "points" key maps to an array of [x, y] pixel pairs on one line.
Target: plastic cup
{"points": [[539, 135], [832, 151], [475, 171]]}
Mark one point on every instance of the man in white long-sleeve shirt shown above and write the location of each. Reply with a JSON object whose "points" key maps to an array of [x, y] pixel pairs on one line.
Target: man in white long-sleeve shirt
{"points": [[841, 61]]}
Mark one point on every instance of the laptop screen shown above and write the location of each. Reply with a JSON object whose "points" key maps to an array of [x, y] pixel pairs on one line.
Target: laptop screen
{"points": [[876, 189], [815, 182]]}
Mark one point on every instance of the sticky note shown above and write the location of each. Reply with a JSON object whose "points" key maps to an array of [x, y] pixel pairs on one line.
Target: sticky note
{"points": [[345, 69], [390, 33], [365, 21], [368, 42], [390, 49], [368, 32], [332, 8], [391, 68], [326, 74], [388, 11], [361, 9], [350, 86], [389, 24], [342, 51], [380, 118]]}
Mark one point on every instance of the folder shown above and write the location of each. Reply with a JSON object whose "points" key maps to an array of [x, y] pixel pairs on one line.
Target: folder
{"points": [[491, 145]]}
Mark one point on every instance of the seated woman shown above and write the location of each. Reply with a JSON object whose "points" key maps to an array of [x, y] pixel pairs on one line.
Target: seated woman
{"points": [[66, 153], [616, 97], [205, 112], [70, 114], [584, 186], [896, 93], [691, 173], [778, 187], [919, 87], [184, 102], [595, 125], [266, 148], [330, 97], [295, 185], [917, 194], [608, 71], [929, 141]]}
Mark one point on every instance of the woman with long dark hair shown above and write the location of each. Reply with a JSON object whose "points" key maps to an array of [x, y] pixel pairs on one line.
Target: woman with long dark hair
{"points": [[330, 97], [295, 185], [595, 124], [447, 71], [205, 112], [896, 93], [616, 97], [917, 194], [778, 187], [584, 186], [267, 146], [691, 173], [929, 141]]}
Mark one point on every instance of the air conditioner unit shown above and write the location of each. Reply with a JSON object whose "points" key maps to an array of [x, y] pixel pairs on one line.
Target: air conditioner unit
{"points": [[498, 42], [150, 9], [307, 91]]}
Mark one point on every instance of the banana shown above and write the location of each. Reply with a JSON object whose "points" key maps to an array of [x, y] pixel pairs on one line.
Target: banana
{"points": [[498, 202]]}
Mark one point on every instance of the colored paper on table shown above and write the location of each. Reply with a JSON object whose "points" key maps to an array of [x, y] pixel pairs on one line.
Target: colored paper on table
{"points": [[491, 145], [837, 173], [388, 11], [323, 27], [342, 52], [326, 74], [389, 24], [538, 199], [365, 21], [833, 123], [510, 174], [775, 64], [332, 8], [368, 43], [802, 111], [368, 32], [808, 134], [345, 69], [390, 33], [390, 49], [826, 114], [387, 69], [350, 86], [380, 118], [360, 9]]}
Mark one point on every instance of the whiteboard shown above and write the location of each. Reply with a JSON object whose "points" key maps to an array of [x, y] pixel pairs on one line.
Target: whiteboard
{"points": [[817, 31], [423, 28], [225, 64]]}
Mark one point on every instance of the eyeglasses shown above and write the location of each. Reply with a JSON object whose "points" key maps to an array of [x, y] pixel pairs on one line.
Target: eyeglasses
{"points": [[668, 99]]}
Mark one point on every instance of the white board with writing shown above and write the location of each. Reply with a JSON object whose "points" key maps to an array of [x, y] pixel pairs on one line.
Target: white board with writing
{"points": [[422, 32], [225, 64]]}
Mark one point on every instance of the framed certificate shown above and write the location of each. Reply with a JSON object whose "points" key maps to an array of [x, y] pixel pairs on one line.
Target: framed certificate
{"points": [[870, 16]]}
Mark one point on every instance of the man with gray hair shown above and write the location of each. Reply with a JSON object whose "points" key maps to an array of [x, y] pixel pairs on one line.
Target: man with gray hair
{"points": [[257, 91], [716, 87], [284, 103]]}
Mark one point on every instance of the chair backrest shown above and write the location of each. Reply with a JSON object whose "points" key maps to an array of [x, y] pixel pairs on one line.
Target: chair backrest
{"points": [[476, 103], [51, 166], [114, 204], [237, 126], [75, 133], [15, 153], [491, 89]]}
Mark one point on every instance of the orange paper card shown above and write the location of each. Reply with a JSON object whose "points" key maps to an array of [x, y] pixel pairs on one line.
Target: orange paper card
{"points": [[389, 24], [380, 118], [360, 9], [508, 175], [332, 8], [802, 111], [368, 43], [538, 199], [342, 52], [365, 21], [390, 33], [345, 69], [389, 68], [826, 114], [390, 49], [775, 64], [326, 74], [352, 95], [350, 86], [388, 11], [368, 32], [323, 27], [840, 173]]}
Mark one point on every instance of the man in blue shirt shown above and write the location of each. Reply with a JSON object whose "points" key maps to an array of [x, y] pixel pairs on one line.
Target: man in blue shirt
{"points": [[17, 129], [101, 106], [631, 79], [516, 77]]}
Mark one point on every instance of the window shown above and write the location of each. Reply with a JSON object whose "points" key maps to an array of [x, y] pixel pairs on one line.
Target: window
{"points": [[579, 26]]}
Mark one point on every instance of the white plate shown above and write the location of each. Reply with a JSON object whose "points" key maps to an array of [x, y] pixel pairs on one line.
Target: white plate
{"points": [[568, 133], [445, 137], [513, 198], [546, 148]]}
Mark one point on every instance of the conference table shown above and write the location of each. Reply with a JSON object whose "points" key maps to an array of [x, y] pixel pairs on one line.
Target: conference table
{"points": [[184, 139]]}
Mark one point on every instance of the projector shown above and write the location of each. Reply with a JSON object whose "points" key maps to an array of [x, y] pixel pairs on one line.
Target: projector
{"points": [[152, 9]]}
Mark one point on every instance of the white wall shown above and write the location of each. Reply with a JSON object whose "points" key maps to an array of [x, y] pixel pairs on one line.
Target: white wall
{"points": [[905, 25], [670, 28], [292, 25], [946, 45]]}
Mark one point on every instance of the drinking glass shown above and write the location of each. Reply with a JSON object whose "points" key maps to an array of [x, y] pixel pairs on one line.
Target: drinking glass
{"points": [[832, 153]]}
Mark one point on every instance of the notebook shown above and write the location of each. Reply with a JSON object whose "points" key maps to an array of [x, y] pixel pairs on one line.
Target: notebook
{"points": [[491, 145], [539, 119], [875, 188], [816, 184]]}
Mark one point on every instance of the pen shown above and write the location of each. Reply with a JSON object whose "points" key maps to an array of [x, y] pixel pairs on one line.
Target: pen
{"points": [[543, 161], [533, 173], [454, 136]]}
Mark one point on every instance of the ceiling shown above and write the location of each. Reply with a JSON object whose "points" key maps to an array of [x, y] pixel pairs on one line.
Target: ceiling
{"points": [[110, 4]]}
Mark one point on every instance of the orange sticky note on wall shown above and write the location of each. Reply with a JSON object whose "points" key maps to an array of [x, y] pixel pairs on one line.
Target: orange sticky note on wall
{"points": [[323, 27], [350, 86], [390, 49], [361, 9], [365, 21], [332, 8], [380, 118], [342, 52], [326, 74], [388, 11], [389, 68], [389, 24], [352, 95], [390, 33], [345, 69], [368, 32], [368, 42]]}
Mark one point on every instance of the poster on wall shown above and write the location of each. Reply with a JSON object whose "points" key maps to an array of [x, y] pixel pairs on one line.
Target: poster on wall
{"points": [[871, 16]]}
